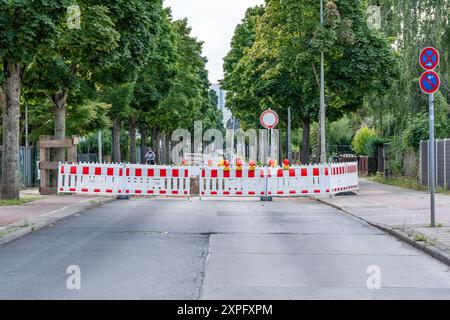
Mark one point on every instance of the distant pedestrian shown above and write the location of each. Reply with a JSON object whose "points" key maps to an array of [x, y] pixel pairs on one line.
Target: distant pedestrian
{"points": [[150, 157]]}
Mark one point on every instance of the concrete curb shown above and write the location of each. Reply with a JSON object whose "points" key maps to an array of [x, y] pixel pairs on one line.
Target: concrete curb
{"points": [[432, 251], [27, 226]]}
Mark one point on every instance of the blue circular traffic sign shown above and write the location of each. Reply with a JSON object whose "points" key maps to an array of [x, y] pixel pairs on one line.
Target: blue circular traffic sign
{"points": [[430, 82], [429, 58]]}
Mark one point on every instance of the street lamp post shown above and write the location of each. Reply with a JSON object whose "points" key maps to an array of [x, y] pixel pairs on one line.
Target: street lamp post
{"points": [[323, 152]]}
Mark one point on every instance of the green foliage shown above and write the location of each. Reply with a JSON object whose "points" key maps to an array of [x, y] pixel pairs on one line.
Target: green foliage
{"points": [[362, 137], [275, 57]]}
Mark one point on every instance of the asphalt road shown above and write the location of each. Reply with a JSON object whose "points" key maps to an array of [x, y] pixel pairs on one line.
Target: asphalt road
{"points": [[179, 249]]}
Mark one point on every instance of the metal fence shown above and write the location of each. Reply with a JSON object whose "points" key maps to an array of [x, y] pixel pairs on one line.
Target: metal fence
{"points": [[442, 163], [27, 165]]}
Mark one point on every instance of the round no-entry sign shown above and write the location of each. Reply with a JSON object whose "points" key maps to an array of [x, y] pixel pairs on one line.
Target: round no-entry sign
{"points": [[430, 82], [269, 119], [429, 58]]}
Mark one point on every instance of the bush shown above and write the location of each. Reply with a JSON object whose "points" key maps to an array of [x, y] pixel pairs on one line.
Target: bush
{"points": [[360, 140]]}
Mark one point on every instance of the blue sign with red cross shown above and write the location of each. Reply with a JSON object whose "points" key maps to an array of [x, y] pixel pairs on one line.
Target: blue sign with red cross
{"points": [[429, 58], [430, 82]]}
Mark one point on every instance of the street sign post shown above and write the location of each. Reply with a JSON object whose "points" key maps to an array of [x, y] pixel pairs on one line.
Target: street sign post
{"points": [[429, 58], [429, 83], [269, 120]]}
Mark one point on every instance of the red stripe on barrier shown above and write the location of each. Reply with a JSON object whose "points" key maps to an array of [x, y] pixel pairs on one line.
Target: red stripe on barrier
{"points": [[127, 172], [98, 171], [305, 192], [150, 192], [138, 172], [109, 191], [239, 174], [175, 173], [84, 190], [316, 172], [280, 192], [163, 173], [304, 172], [61, 189], [280, 173], [186, 192], [186, 174], [96, 190], [138, 191], [291, 172], [316, 191], [239, 193], [226, 193], [251, 193], [62, 169], [293, 192], [73, 170], [120, 172], [251, 174], [203, 173], [151, 172], [110, 172], [214, 193], [86, 170], [213, 173], [174, 192], [226, 174], [326, 171], [72, 190], [162, 191]]}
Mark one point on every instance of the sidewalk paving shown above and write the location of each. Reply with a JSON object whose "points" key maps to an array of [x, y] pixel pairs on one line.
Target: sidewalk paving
{"points": [[16, 221], [403, 212]]}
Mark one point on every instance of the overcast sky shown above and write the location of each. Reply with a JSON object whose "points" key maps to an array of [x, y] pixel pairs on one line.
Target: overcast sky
{"points": [[213, 22]]}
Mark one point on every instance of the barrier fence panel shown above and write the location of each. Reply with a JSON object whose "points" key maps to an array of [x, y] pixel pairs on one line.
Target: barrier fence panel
{"points": [[156, 180], [229, 182], [91, 178], [123, 179], [344, 177], [145, 180], [298, 181]]}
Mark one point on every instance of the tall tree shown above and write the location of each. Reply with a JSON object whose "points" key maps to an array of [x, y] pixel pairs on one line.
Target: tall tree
{"points": [[280, 69], [67, 69], [25, 28]]}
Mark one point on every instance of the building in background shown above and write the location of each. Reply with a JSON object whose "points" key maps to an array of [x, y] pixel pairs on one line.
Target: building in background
{"points": [[221, 94]]}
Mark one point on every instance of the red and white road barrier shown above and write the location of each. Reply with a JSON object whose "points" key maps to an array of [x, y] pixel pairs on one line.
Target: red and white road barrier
{"points": [[156, 180], [232, 182], [299, 181], [91, 178], [344, 177], [144, 180], [123, 179]]}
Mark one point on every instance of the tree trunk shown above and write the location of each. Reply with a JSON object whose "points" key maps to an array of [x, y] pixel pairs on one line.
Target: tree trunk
{"points": [[168, 150], [11, 116], [304, 156], [116, 141], [132, 132], [60, 107], [143, 145], [156, 148]]}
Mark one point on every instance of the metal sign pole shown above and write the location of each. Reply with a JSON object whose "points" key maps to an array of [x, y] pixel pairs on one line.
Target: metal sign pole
{"points": [[432, 162]]}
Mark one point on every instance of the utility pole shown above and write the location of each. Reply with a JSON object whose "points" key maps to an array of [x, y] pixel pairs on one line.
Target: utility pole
{"points": [[432, 166], [289, 147], [100, 147], [323, 151]]}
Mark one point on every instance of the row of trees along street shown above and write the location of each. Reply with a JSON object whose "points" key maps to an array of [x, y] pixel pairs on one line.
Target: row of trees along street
{"points": [[371, 72], [128, 66]]}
